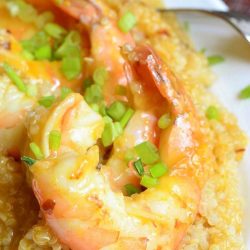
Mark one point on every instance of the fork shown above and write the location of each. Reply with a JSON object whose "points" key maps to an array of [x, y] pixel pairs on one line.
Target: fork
{"points": [[239, 21]]}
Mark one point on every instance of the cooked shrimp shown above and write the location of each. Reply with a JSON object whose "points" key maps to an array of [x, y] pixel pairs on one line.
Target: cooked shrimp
{"points": [[77, 198], [106, 40]]}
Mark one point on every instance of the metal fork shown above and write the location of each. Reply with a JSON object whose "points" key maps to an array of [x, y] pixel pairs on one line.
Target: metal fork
{"points": [[239, 21]]}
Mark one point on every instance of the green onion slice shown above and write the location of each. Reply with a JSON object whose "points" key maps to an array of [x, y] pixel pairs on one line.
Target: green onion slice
{"points": [[117, 110], [147, 152], [139, 167], [127, 22], [55, 140], [109, 134], [47, 101], [245, 93], [215, 59], [164, 121], [148, 182], [158, 170], [93, 94], [71, 67], [131, 189], [15, 78], [28, 160], [126, 117], [54, 30], [100, 75], [43, 53], [36, 151], [212, 113]]}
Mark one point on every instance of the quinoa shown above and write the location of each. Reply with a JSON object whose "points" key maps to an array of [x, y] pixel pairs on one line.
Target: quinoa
{"points": [[218, 225]]}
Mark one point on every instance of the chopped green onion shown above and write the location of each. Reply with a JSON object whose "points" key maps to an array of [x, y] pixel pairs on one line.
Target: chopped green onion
{"points": [[43, 53], [148, 152], [117, 110], [118, 128], [131, 189], [102, 109], [100, 75], [107, 119], [87, 83], [127, 22], [158, 170], [109, 134], [215, 59], [27, 55], [71, 67], [54, 30], [14, 78], [55, 140], [47, 101], [245, 93], [65, 91], [164, 121], [28, 160], [139, 167], [70, 47], [126, 117], [130, 155], [93, 94], [148, 182], [212, 113], [31, 90], [95, 107], [39, 40], [36, 151]]}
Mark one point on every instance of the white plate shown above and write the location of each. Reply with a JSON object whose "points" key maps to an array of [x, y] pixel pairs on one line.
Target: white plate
{"points": [[234, 74]]}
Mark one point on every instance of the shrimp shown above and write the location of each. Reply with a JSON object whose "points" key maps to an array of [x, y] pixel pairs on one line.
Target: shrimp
{"points": [[76, 196], [105, 39]]}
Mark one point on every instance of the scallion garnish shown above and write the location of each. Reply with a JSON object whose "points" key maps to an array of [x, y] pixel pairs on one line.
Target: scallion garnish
{"points": [[212, 113], [117, 110], [126, 117], [148, 182], [139, 167], [36, 151], [100, 75], [43, 53], [54, 140], [158, 170], [131, 189], [93, 94], [127, 22], [28, 160], [71, 67], [245, 93], [164, 121], [47, 101], [148, 152], [109, 134], [31, 90], [54, 30], [215, 59], [14, 77]]}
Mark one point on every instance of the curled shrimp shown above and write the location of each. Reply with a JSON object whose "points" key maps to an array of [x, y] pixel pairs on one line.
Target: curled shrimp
{"points": [[106, 40], [76, 195]]}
